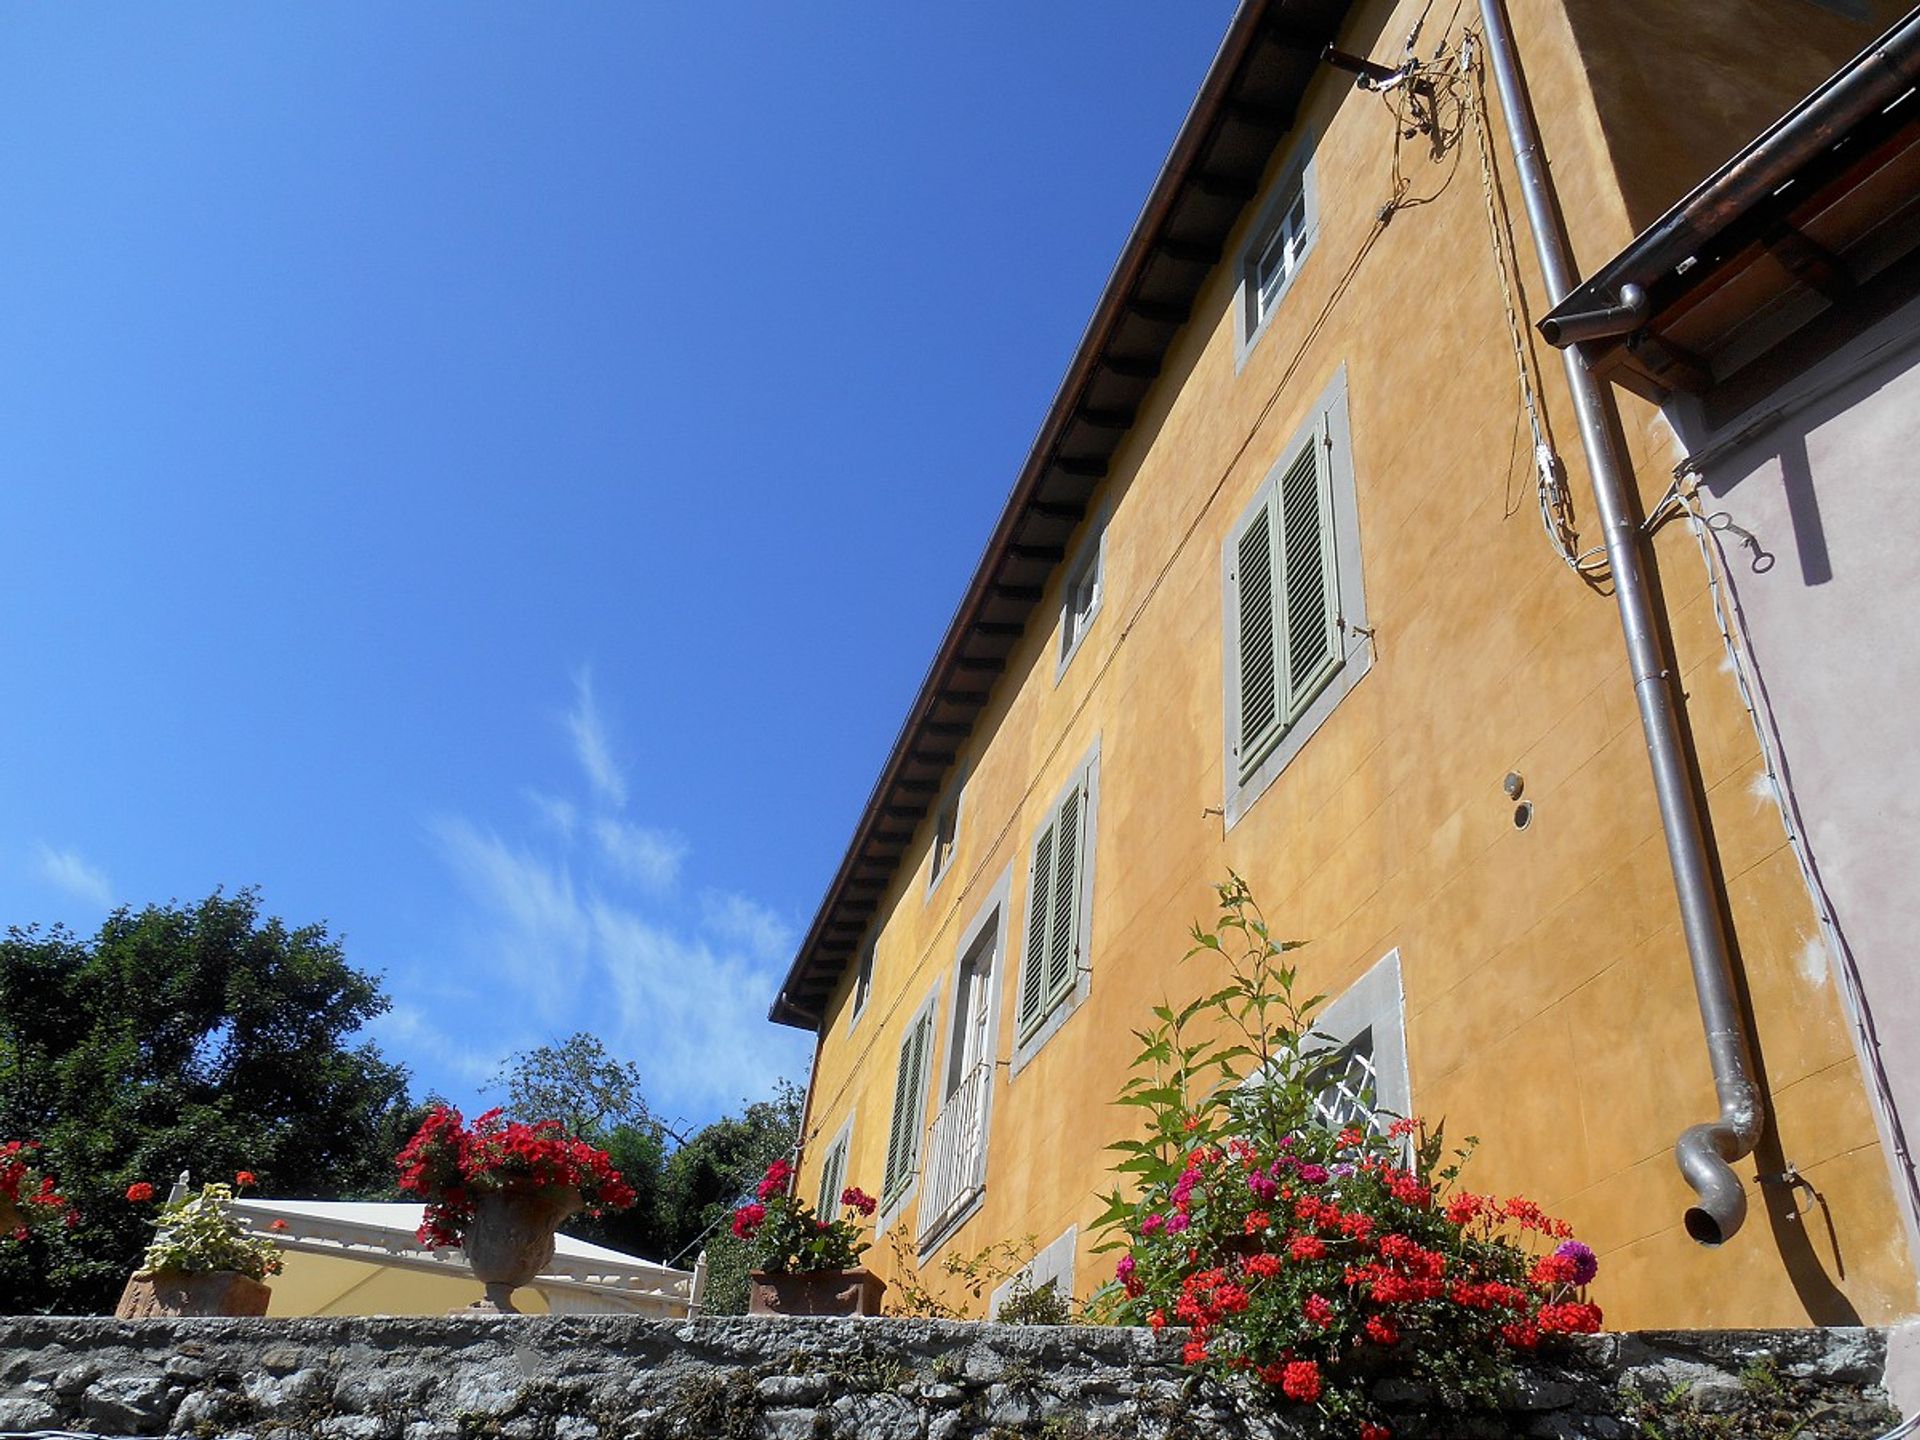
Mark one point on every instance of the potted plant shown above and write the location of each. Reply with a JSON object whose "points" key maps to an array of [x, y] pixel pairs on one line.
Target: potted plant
{"points": [[202, 1260], [499, 1190], [802, 1264], [29, 1196]]}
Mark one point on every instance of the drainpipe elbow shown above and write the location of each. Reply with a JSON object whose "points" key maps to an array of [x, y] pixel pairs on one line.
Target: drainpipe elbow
{"points": [[1629, 314], [1705, 1155]]}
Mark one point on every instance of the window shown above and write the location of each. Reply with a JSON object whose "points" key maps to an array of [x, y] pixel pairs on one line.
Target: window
{"points": [[946, 830], [1295, 631], [1276, 248], [1053, 967], [1363, 1040], [1080, 601], [909, 1106], [863, 980], [833, 1171]]}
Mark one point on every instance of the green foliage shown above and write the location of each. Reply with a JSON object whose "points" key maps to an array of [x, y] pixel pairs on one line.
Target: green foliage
{"points": [[202, 1038], [577, 1083], [1027, 1304], [974, 1276], [687, 1192], [199, 1233]]}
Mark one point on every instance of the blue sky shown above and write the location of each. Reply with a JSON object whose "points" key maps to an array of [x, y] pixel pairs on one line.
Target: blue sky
{"points": [[493, 476]]}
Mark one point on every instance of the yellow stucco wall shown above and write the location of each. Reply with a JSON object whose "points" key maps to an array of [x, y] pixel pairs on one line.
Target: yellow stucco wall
{"points": [[1549, 1005]]}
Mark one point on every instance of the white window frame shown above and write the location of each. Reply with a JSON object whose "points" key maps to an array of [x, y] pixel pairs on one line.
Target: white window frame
{"points": [[988, 926], [954, 800], [1375, 1003], [1298, 180], [843, 1146], [1089, 558], [895, 1205], [1325, 430], [1054, 1263], [1029, 1040]]}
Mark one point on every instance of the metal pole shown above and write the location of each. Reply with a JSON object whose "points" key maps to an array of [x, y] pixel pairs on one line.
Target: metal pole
{"points": [[1704, 1152]]}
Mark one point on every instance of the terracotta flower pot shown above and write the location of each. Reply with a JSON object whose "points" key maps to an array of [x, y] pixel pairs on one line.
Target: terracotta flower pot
{"points": [[815, 1292], [511, 1240], [151, 1294]]}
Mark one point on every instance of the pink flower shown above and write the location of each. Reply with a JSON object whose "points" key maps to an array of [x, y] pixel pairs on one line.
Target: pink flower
{"points": [[859, 1199]]}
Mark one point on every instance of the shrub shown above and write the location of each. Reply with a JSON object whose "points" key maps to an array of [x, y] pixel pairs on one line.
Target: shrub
{"points": [[1307, 1256], [199, 1234]]}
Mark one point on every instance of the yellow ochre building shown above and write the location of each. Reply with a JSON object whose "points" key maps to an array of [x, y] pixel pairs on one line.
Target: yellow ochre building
{"points": [[1478, 514]]}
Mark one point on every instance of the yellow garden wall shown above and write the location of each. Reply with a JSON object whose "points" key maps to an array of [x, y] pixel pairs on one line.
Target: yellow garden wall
{"points": [[1549, 1004]]}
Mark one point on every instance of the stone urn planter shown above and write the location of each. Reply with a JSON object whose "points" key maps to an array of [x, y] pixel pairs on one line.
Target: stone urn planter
{"points": [[815, 1292], [155, 1294], [510, 1240], [11, 1220]]}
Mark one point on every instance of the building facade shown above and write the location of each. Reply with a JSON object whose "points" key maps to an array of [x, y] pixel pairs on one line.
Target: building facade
{"points": [[1301, 583]]}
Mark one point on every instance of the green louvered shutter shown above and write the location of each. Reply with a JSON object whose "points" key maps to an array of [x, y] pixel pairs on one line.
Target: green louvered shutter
{"points": [[1258, 721], [1033, 970], [1309, 584], [909, 1098], [1063, 948], [833, 1179]]}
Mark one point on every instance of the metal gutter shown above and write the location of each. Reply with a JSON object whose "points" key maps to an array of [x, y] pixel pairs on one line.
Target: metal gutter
{"points": [[1704, 1152], [1866, 85], [1302, 27]]}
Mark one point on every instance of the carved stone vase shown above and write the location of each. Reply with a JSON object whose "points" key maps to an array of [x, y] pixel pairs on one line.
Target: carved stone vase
{"points": [[152, 1294], [510, 1240]]}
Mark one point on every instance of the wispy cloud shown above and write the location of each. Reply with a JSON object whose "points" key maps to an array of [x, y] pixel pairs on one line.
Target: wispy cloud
{"points": [[647, 857], [68, 871], [580, 920], [590, 743], [747, 922]]}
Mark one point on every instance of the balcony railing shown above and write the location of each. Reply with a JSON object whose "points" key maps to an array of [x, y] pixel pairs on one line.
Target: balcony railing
{"points": [[956, 1152]]}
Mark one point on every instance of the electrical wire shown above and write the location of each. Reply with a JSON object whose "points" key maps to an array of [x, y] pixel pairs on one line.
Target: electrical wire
{"points": [[1550, 484], [1684, 499]]}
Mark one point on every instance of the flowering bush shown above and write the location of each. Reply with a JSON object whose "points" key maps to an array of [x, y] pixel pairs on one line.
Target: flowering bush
{"points": [[1311, 1256], [29, 1196], [448, 1163], [200, 1233], [785, 1236]]}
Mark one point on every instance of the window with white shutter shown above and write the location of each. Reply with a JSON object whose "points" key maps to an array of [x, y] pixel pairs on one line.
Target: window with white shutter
{"points": [[1053, 964], [833, 1173], [909, 1106], [1295, 612]]}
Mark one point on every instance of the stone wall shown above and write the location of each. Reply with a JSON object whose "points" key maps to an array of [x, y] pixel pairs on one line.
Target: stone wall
{"points": [[599, 1377]]}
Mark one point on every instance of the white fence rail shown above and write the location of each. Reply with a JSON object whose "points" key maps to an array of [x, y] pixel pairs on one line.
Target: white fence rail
{"points": [[956, 1152]]}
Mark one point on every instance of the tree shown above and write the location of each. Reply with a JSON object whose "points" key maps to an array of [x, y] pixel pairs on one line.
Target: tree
{"points": [[201, 1038], [577, 1083]]}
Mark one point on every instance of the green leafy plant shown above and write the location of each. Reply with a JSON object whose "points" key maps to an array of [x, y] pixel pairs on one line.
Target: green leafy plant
{"points": [[200, 1233], [786, 1237], [1308, 1254], [1030, 1304], [910, 1296]]}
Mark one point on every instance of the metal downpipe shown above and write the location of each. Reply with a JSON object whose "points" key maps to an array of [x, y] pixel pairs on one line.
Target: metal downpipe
{"points": [[1705, 1153]]}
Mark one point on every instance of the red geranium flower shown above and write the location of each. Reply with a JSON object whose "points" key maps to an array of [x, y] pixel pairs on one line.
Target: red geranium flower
{"points": [[139, 1190], [242, 1179], [1301, 1381]]}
